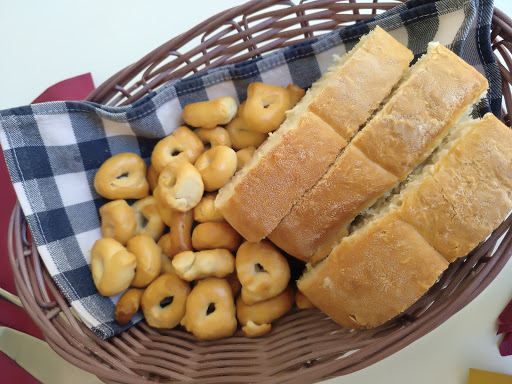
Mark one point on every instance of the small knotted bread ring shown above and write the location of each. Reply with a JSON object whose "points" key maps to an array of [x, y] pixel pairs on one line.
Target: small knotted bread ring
{"points": [[242, 137], [148, 218], [180, 230], [210, 311], [128, 305], [118, 221], [216, 166], [149, 259], [255, 319], [122, 176], [296, 93], [182, 144], [205, 211], [262, 271], [113, 267], [209, 114], [166, 265], [164, 301], [199, 265], [265, 107], [152, 177], [214, 137], [166, 245], [234, 283], [302, 301], [215, 235], [243, 156], [164, 211], [180, 186]]}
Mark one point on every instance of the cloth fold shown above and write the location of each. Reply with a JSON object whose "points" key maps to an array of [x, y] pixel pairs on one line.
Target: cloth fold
{"points": [[53, 150]]}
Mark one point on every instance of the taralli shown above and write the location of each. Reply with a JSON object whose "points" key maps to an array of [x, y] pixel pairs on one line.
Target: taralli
{"points": [[148, 218], [199, 265], [254, 330], [165, 212], [243, 156], [166, 265], [265, 107], [164, 301], [262, 271], [215, 136], [112, 266], [205, 211], [216, 167], [182, 144], [152, 177], [180, 186], [128, 305], [209, 114], [240, 111], [296, 93], [242, 137], [263, 313], [149, 259], [215, 235], [165, 243], [210, 311], [122, 176], [233, 281], [180, 230], [118, 221], [302, 301]]}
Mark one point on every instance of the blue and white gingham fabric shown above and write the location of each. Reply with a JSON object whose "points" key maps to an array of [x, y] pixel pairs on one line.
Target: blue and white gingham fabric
{"points": [[53, 149]]}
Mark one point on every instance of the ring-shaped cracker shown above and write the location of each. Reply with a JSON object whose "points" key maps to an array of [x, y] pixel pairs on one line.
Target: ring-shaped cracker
{"points": [[262, 271], [216, 167], [180, 186], [209, 114], [148, 218], [118, 221], [164, 301], [210, 311], [265, 107], [122, 176], [112, 266], [182, 144], [215, 136]]}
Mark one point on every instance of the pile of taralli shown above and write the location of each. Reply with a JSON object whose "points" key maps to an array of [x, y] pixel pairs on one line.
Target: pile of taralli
{"points": [[189, 275], [377, 177]]}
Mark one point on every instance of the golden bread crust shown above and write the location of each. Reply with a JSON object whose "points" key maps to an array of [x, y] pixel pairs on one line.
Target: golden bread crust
{"points": [[349, 186], [469, 194], [282, 175], [406, 130], [349, 87], [280, 178], [421, 112], [386, 265], [370, 278]]}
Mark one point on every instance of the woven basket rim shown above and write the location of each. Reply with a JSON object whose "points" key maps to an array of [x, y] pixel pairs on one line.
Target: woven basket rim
{"points": [[75, 341]]}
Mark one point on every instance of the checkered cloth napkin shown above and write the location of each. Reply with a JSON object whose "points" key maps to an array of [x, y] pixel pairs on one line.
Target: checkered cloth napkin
{"points": [[53, 149]]}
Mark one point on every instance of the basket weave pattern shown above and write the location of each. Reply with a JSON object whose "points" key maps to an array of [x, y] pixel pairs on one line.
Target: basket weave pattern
{"points": [[304, 346]]}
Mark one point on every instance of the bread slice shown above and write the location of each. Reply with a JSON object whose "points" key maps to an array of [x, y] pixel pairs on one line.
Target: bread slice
{"points": [[347, 188], [433, 95], [400, 247], [296, 156], [468, 193], [373, 275]]}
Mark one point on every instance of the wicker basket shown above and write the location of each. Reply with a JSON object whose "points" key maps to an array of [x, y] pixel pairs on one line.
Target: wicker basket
{"points": [[304, 346]]}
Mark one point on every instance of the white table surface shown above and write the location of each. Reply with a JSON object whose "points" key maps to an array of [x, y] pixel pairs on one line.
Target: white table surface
{"points": [[43, 42]]}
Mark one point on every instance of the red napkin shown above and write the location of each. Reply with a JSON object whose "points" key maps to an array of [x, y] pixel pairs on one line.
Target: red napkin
{"points": [[76, 88], [505, 326]]}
